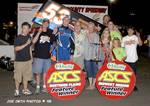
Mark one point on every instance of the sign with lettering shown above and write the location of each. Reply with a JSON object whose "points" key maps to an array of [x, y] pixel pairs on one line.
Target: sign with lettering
{"points": [[115, 80], [65, 80], [55, 12]]}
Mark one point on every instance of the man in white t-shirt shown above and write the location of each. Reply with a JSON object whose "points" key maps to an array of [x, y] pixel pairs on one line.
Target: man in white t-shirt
{"points": [[130, 43]]}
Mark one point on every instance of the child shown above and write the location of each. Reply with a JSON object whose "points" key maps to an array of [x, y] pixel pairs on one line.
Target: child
{"points": [[130, 43], [104, 52], [118, 52], [105, 43], [23, 63]]}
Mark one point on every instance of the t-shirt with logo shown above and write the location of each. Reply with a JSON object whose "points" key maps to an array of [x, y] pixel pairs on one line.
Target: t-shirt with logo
{"points": [[130, 44], [42, 46]]}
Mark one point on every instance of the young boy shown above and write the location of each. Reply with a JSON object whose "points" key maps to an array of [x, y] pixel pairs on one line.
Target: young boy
{"points": [[23, 63], [130, 43]]}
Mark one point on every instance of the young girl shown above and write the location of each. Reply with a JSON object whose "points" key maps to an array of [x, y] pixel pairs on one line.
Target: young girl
{"points": [[104, 51], [118, 52]]}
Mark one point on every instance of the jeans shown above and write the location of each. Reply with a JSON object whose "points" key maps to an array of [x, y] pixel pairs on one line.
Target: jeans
{"points": [[91, 68], [133, 66]]}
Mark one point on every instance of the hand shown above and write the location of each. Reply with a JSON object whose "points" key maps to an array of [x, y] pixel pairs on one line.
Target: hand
{"points": [[138, 34], [31, 59], [50, 51], [40, 29], [71, 58], [55, 30], [98, 28], [28, 42]]}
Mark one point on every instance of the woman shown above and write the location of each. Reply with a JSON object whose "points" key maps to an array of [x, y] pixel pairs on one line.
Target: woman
{"points": [[79, 36], [114, 32], [90, 51]]}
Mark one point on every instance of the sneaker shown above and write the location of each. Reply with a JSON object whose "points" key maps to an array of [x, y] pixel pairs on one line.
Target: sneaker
{"points": [[37, 91], [16, 94], [26, 92]]}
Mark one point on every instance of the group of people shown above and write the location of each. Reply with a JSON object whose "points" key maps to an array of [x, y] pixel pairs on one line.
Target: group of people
{"points": [[84, 46]]}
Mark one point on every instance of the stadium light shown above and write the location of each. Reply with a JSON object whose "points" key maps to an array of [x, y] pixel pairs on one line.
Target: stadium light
{"points": [[112, 1]]}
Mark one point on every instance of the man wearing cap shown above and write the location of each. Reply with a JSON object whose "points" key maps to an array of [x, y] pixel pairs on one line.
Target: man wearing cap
{"points": [[43, 39], [65, 39]]}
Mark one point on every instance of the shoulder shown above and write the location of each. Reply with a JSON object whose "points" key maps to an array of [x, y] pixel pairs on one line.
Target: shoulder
{"points": [[18, 37], [135, 37], [125, 37]]}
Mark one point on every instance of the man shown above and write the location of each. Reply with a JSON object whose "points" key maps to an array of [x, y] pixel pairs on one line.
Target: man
{"points": [[130, 43], [106, 19], [43, 40], [23, 63], [65, 37]]}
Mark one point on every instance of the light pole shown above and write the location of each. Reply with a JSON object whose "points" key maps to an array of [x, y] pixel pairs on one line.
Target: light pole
{"points": [[110, 2]]}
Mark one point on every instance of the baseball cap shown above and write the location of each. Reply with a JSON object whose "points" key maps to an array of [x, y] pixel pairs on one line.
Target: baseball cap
{"points": [[45, 20]]}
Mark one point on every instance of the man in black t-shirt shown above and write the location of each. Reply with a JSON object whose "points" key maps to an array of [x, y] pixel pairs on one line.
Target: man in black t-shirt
{"points": [[43, 40], [23, 63]]}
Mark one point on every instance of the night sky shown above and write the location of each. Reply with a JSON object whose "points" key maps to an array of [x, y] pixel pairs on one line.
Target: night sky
{"points": [[127, 12]]}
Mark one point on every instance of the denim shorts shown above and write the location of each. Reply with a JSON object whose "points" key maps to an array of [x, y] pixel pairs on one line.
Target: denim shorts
{"points": [[41, 65]]}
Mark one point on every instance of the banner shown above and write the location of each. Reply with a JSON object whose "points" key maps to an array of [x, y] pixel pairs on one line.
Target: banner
{"points": [[27, 11], [115, 80], [65, 80], [94, 12], [56, 12]]}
